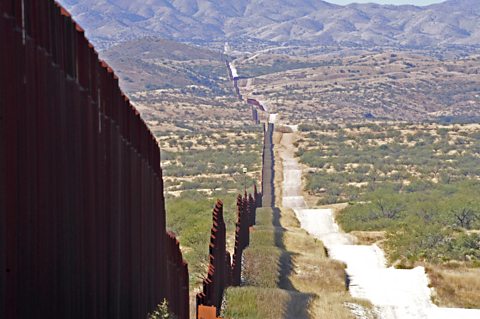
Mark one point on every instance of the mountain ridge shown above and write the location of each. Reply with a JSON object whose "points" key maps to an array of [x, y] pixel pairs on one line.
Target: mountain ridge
{"points": [[453, 22]]}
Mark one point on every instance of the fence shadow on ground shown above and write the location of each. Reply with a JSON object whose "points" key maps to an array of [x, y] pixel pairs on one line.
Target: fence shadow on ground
{"points": [[299, 302]]}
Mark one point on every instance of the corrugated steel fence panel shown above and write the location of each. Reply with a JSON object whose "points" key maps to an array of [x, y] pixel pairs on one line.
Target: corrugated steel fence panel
{"points": [[82, 213]]}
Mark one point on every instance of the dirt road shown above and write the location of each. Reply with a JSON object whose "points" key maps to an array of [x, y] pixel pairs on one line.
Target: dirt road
{"points": [[395, 293]]}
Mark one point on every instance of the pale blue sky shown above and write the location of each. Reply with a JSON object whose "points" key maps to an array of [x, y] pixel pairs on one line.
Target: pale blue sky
{"points": [[415, 2]]}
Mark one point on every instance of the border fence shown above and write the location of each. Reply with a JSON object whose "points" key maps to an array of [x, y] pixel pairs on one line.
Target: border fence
{"points": [[82, 214]]}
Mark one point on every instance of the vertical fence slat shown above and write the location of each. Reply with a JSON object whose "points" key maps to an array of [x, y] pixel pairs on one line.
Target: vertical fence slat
{"points": [[3, 97]]}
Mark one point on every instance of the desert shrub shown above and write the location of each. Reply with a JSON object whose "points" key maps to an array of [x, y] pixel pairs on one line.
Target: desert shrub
{"points": [[161, 312]]}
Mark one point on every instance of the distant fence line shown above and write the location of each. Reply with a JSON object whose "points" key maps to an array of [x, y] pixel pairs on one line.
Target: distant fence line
{"points": [[82, 213]]}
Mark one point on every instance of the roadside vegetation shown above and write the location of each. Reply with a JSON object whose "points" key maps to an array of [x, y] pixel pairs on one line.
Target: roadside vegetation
{"points": [[417, 185]]}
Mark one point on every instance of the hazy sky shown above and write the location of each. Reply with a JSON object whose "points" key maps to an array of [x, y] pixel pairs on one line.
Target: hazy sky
{"points": [[415, 2]]}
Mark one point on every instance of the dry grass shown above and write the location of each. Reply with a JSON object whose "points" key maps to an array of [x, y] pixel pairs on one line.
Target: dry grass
{"points": [[277, 137], [368, 237], [337, 208], [261, 267], [289, 220], [334, 305], [456, 287]]}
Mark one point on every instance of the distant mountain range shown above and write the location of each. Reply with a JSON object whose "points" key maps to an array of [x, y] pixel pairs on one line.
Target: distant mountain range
{"points": [[451, 23]]}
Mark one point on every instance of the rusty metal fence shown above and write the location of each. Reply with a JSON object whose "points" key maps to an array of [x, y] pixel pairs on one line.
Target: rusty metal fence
{"points": [[82, 214], [219, 274], [224, 271]]}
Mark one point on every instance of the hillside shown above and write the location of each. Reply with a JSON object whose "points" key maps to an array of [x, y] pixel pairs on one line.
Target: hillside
{"points": [[393, 86], [151, 63], [250, 23]]}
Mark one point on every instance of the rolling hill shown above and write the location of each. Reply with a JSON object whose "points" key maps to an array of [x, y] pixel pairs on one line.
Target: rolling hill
{"points": [[152, 63]]}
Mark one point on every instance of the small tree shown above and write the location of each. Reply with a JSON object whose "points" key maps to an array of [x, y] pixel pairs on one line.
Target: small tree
{"points": [[465, 217], [161, 312], [463, 211], [388, 204], [389, 208]]}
